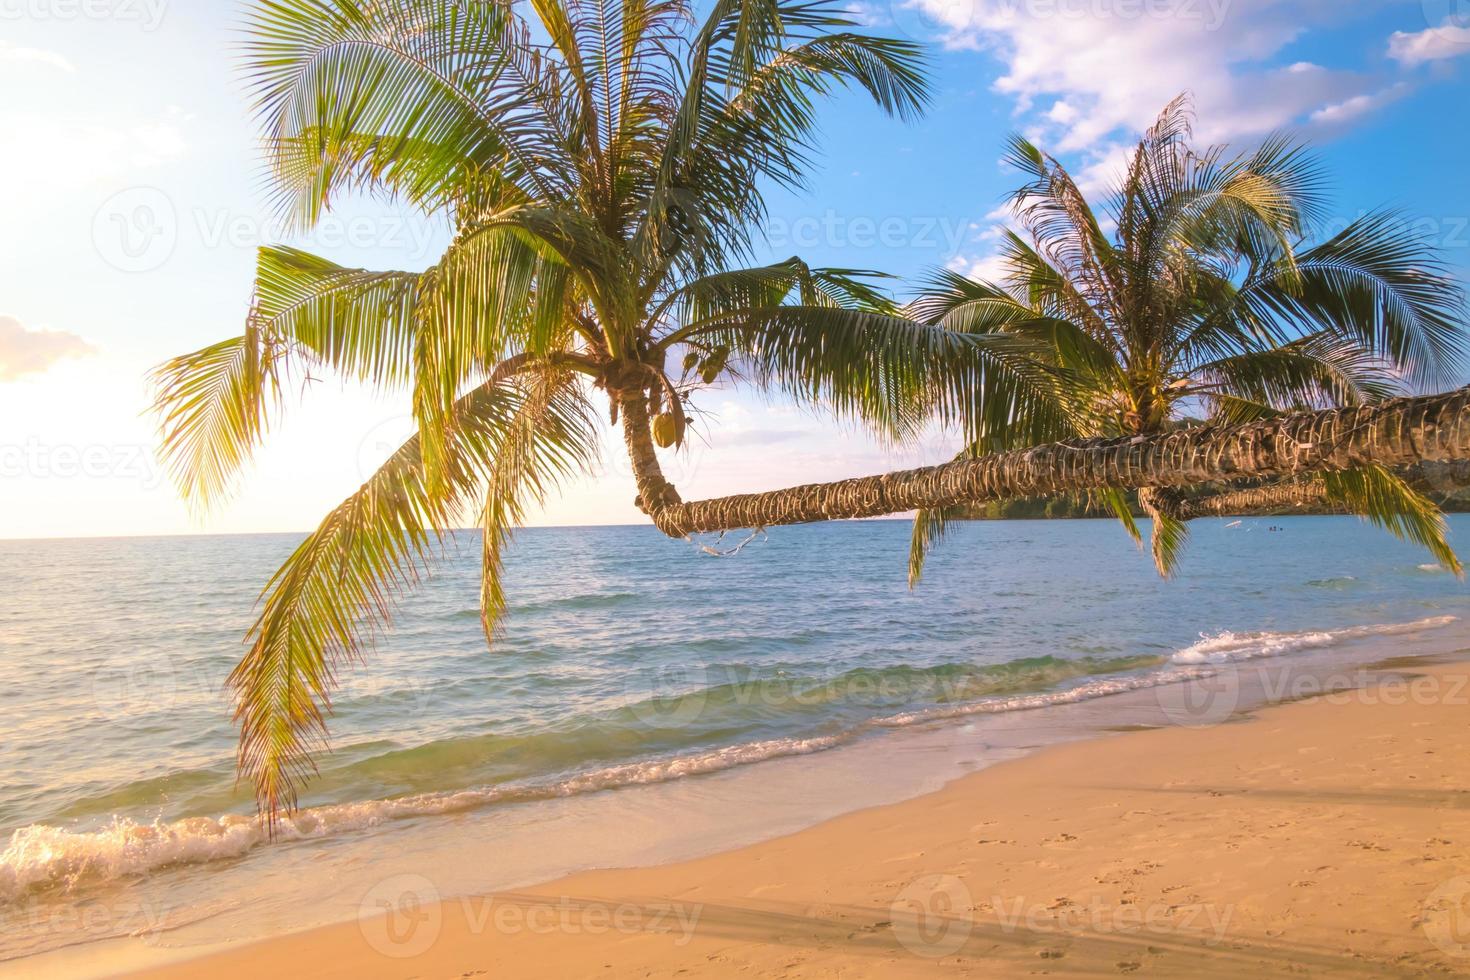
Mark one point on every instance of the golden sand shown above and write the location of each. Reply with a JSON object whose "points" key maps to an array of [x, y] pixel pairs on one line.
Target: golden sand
{"points": [[1326, 837]]}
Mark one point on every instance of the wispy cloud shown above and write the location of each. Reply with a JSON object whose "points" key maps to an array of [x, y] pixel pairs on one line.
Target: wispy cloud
{"points": [[1449, 40], [1086, 74], [25, 351], [47, 153], [37, 56], [1346, 111]]}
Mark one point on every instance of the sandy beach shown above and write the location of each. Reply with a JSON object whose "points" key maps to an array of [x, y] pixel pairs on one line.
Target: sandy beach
{"points": [[1322, 837]]}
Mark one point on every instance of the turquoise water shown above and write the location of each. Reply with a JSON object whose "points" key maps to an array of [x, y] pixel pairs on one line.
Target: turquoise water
{"points": [[628, 659]]}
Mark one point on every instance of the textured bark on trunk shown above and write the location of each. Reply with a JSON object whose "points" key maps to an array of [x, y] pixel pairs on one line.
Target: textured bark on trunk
{"points": [[1394, 433], [656, 495], [1431, 478]]}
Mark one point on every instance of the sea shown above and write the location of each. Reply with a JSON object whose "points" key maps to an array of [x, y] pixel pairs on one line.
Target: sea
{"points": [[647, 700]]}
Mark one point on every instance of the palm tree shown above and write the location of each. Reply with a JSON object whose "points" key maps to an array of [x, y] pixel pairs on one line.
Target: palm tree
{"points": [[602, 166], [1423, 440], [1197, 293]]}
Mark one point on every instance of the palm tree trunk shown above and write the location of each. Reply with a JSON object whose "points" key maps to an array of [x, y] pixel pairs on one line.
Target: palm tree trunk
{"points": [[1435, 479], [656, 495], [1394, 433]]}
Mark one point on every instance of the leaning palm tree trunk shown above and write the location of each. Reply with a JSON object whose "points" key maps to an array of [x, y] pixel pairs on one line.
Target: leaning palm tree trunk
{"points": [[1440, 478], [1394, 433]]}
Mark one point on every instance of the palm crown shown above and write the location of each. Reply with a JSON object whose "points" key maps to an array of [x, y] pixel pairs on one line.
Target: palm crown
{"points": [[601, 165], [1198, 292]]}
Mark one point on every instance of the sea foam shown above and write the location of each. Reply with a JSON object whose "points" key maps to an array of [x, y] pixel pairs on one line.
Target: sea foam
{"points": [[42, 857], [1227, 646]]}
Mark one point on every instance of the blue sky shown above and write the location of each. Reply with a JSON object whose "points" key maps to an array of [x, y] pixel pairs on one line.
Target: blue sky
{"points": [[130, 206]]}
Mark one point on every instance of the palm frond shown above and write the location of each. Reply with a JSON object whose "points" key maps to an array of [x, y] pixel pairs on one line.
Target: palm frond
{"points": [[324, 606], [551, 436], [930, 528], [213, 408], [1317, 371], [1386, 500], [416, 97], [1380, 285]]}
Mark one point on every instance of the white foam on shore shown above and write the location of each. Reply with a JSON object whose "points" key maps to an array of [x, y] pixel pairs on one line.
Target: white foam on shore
{"points": [[1228, 647], [1098, 688], [42, 856]]}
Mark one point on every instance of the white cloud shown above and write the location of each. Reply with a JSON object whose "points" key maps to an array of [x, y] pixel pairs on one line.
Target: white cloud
{"points": [[15, 53], [1358, 105], [1096, 69], [1448, 40], [987, 268], [51, 153], [24, 351]]}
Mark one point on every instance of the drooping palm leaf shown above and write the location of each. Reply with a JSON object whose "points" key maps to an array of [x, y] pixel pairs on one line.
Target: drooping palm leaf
{"points": [[1204, 297], [602, 167], [324, 606]]}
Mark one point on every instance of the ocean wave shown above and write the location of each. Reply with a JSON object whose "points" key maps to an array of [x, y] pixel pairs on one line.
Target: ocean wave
{"points": [[574, 603], [727, 694], [1340, 582], [1226, 647], [41, 857], [1087, 691]]}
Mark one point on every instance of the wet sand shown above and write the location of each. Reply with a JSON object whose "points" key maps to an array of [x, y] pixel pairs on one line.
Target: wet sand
{"points": [[1330, 836]]}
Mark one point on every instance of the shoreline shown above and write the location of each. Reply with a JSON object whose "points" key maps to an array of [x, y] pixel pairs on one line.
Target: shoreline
{"points": [[1317, 834]]}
